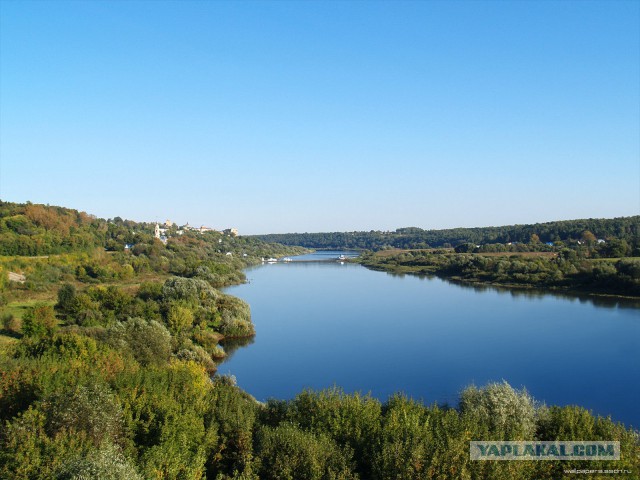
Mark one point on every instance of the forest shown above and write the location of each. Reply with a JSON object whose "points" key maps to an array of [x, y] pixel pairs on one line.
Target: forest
{"points": [[562, 233], [108, 357]]}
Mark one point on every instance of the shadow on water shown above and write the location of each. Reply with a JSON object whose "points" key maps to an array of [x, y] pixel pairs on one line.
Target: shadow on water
{"points": [[600, 301], [232, 345]]}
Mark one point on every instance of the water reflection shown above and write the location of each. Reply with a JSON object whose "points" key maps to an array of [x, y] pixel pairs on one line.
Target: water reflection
{"points": [[600, 301], [232, 345]]}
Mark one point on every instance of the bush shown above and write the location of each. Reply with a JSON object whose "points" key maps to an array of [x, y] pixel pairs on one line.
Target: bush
{"points": [[107, 463], [27, 453], [207, 339], [39, 320], [86, 311], [196, 353], [507, 413], [402, 450], [287, 453], [179, 318], [66, 298], [89, 409], [191, 290], [150, 291], [235, 318], [350, 420], [10, 323], [234, 414], [148, 341], [465, 248]]}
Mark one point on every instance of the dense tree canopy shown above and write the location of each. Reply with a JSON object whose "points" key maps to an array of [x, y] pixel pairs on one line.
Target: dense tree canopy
{"points": [[568, 232]]}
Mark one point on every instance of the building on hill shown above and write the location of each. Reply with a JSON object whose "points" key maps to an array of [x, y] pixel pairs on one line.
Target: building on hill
{"points": [[160, 233]]}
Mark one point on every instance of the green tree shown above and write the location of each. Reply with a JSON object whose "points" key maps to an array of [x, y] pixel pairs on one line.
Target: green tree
{"points": [[465, 248], [287, 453], [402, 450], [588, 238], [39, 320], [509, 414], [179, 318], [66, 298], [350, 420], [235, 317], [89, 409], [106, 463], [148, 341]]}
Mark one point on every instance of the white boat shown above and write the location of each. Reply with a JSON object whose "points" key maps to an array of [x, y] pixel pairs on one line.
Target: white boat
{"points": [[287, 260], [272, 260]]}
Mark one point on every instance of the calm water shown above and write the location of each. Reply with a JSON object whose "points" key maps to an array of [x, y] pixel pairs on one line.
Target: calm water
{"points": [[321, 324]]}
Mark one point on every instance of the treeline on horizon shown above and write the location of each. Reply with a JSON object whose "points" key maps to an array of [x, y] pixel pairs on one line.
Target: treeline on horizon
{"points": [[34, 229], [29, 229], [567, 232]]}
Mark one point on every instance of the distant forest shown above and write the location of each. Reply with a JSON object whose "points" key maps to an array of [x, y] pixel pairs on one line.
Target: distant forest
{"points": [[567, 232]]}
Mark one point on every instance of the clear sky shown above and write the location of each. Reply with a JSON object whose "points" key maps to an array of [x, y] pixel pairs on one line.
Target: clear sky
{"points": [[301, 116]]}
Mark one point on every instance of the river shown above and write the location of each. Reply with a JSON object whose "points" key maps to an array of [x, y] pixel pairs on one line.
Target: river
{"points": [[321, 324]]}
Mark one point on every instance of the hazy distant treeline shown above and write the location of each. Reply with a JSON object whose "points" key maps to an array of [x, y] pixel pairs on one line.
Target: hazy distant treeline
{"points": [[567, 231]]}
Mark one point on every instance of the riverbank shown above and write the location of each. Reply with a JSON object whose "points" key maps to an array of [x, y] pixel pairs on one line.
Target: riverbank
{"points": [[615, 278]]}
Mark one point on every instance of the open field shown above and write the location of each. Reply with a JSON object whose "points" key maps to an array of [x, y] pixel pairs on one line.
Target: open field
{"points": [[19, 307]]}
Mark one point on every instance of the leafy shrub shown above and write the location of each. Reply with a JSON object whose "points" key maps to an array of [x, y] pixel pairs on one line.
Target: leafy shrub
{"points": [[66, 298], [150, 291], [350, 420], [106, 463], [288, 453], [235, 318], [507, 413], [28, 453], [148, 341], [209, 341], [89, 409], [197, 354], [10, 323], [179, 318], [192, 290], [39, 320], [402, 450], [234, 414], [86, 311]]}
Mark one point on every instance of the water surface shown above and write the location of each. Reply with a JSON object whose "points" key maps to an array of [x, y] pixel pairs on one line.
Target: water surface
{"points": [[325, 323]]}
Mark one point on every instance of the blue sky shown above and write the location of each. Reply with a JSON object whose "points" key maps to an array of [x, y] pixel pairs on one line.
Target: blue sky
{"points": [[323, 116]]}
